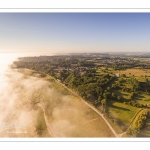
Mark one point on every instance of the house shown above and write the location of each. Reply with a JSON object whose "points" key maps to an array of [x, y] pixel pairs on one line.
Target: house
{"points": [[58, 80], [117, 74]]}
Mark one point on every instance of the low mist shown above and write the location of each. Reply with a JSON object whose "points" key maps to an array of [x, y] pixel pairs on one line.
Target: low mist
{"points": [[31, 107]]}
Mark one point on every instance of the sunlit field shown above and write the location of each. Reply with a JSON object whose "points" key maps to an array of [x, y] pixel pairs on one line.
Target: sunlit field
{"points": [[136, 72]]}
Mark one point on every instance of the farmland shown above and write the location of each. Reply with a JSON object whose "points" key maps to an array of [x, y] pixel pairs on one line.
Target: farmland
{"points": [[116, 85], [136, 72]]}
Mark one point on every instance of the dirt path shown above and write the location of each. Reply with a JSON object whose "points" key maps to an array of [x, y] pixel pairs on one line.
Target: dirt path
{"points": [[91, 120], [49, 127], [93, 108]]}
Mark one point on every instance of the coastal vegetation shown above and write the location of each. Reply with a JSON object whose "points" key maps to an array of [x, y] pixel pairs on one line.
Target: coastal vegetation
{"points": [[116, 85]]}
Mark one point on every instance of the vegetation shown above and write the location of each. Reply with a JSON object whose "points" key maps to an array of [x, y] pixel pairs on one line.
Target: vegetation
{"points": [[138, 123], [117, 85], [40, 125]]}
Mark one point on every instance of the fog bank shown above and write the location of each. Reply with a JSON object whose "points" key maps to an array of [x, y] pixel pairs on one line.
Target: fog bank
{"points": [[31, 107]]}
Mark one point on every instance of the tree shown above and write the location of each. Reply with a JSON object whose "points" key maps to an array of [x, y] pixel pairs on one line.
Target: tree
{"points": [[113, 86], [131, 95], [103, 102], [113, 95], [99, 99], [105, 95], [119, 98], [108, 88], [123, 75]]}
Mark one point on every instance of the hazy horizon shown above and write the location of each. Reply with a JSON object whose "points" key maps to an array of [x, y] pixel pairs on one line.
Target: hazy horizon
{"points": [[74, 32]]}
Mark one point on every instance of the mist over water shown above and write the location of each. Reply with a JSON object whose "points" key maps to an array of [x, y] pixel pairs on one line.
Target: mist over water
{"points": [[16, 120]]}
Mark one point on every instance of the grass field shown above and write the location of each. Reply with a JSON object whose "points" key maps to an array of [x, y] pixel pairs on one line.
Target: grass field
{"points": [[143, 59], [97, 128], [122, 113], [103, 71], [68, 115], [136, 72]]}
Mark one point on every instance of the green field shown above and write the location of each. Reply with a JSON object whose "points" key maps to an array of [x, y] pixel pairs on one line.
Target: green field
{"points": [[122, 113]]}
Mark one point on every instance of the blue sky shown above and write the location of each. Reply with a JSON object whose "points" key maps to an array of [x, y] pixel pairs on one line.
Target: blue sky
{"points": [[74, 32]]}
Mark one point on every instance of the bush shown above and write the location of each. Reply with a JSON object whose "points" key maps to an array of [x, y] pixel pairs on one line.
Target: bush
{"points": [[138, 123]]}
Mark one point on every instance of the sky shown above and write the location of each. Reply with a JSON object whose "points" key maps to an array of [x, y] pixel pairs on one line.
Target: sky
{"points": [[74, 32]]}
